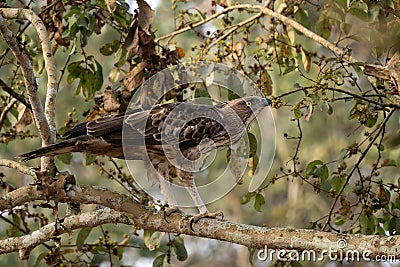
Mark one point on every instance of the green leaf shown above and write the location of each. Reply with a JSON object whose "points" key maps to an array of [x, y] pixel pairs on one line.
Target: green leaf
{"points": [[334, 15], [88, 159], [122, 57], [371, 121], [389, 163], [82, 235], [73, 30], [303, 18], [246, 198], [337, 183], [65, 158], [339, 221], [367, 224], [297, 112], [235, 87], [72, 11], [359, 9], [179, 248], [252, 144], [98, 83], [39, 259], [317, 99], [119, 252], [251, 255], [159, 260], [152, 239], [110, 48], [345, 27], [290, 69], [82, 21], [312, 166], [295, 264], [74, 71], [322, 172], [92, 23], [323, 27], [258, 202], [330, 109]]}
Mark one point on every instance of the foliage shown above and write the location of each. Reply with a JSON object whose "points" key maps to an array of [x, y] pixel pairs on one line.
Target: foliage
{"points": [[99, 42]]}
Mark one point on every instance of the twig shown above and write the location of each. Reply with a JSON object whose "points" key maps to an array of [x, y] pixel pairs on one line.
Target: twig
{"points": [[266, 11], [210, 18], [287, 21], [18, 166], [381, 128], [237, 26], [234, 28], [5, 111], [14, 94]]}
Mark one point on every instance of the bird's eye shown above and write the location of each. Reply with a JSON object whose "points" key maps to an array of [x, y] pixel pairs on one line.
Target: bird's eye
{"points": [[248, 103]]}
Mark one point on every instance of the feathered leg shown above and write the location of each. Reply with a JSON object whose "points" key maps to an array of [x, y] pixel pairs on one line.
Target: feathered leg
{"points": [[161, 176], [187, 179]]}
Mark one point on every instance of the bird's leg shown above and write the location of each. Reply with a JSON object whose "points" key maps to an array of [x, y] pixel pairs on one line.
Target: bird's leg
{"points": [[165, 187], [194, 193]]}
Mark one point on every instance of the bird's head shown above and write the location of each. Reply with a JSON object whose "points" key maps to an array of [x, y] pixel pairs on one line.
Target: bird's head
{"points": [[247, 108]]}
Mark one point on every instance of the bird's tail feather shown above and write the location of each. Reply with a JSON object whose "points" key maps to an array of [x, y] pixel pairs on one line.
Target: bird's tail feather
{"points": [[51, 150]]}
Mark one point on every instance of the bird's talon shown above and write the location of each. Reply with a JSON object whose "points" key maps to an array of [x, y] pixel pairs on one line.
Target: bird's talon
{"points": [[212, 215], [169, 211]]}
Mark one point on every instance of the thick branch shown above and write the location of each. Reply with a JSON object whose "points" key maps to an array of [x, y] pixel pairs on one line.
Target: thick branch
{"points": [[45, 121], [18, 166], [247, 235], [24, 244]]}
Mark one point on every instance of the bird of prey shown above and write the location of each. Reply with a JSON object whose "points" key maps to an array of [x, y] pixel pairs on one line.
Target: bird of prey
{"points": [[169, 137]]}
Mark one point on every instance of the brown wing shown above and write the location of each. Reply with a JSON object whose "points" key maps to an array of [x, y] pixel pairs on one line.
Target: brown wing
{"points": [[186, 123]]}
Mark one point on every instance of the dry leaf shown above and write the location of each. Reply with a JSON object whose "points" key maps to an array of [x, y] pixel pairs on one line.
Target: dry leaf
{"points": [[266, 83], [345, 209], [180, 52], [306, 61], [111, 101], [310, 111], [24, 117], [134, 78], [145, 17]]}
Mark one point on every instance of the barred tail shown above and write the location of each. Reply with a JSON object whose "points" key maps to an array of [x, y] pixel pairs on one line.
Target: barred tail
{"points": [[51, 150]]}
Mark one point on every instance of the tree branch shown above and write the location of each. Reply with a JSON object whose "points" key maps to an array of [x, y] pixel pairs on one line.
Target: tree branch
{"points": [[266, 11], [18, 166], [25, 244], [45, 120], [14, 94], [6, 109], [204, 21], [247, 235], [297, 26]]}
